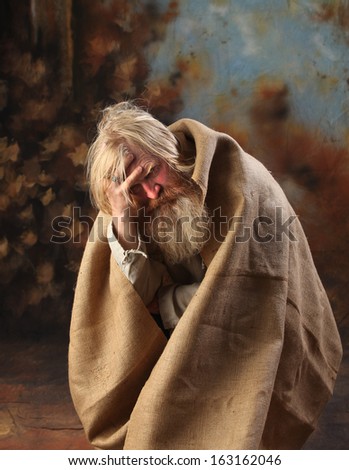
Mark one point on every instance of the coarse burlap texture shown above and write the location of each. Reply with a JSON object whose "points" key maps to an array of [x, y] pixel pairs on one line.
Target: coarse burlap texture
{"points": [[254, 358]]}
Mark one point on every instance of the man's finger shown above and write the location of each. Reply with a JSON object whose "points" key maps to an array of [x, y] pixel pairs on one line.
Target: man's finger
{"points": [[134, 176], [128, 160]]}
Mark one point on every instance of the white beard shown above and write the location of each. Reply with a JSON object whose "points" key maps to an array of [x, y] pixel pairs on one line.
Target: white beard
{"points": [[180, 224]]}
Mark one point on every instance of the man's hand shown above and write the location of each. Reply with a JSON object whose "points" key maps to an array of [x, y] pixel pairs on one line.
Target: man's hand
{"points": [[124, 229], [115, 190]]}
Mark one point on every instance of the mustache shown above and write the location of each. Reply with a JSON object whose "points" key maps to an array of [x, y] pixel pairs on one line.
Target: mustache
{"points": [[179, 185], [167, 197]]}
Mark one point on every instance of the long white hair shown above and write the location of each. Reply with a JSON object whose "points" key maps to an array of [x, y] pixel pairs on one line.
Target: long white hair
{"points": [[122, 124]]}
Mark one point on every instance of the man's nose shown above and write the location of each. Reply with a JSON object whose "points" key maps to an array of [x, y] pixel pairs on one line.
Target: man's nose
{"points": [[151, 190]]}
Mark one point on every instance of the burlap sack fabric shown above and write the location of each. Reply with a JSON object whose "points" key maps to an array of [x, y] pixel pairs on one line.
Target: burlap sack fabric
{"points": [[254, 358]]}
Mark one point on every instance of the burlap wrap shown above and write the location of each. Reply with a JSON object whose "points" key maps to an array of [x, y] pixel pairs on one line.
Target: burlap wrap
{"points": [[254, 358]]}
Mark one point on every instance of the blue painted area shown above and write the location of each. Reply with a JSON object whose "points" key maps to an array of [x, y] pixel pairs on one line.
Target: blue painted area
{"points": [[235, 43]]}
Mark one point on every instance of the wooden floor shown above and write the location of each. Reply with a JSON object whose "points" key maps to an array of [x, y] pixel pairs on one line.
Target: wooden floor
{"points": [[36, 411]]}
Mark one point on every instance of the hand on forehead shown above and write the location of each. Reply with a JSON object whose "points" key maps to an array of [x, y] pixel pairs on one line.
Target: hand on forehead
{"points": [[137, 165], [131, 165], [140, 158]]}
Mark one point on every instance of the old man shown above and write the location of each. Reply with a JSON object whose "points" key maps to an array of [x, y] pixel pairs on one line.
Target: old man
{"points": [[199, 320]]}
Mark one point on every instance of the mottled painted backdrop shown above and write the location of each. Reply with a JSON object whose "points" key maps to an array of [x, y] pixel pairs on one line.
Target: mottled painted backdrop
{"points": [[274, 74]]}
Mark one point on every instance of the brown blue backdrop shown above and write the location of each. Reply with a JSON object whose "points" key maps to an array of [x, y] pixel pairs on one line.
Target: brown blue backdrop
{"points": [[274, 74]]}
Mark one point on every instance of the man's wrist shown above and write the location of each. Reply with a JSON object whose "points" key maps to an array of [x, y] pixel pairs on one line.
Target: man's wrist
{"points": [[125, 232]]}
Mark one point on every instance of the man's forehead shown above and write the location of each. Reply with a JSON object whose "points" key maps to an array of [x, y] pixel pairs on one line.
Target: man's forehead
{"points": [[140, 157]]}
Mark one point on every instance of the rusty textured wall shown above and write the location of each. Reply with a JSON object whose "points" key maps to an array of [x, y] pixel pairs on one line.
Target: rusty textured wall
{"points": [[273, 74]]}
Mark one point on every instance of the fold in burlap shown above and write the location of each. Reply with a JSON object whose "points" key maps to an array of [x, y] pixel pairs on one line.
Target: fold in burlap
{"points": [[254, 358]]}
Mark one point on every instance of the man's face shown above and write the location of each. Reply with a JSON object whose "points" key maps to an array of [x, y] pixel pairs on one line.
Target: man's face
{"points": [[155, 178], [171, 199]]}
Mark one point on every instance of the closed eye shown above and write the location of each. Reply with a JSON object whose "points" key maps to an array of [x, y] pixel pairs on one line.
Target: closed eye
{"points": [[153, 172]]}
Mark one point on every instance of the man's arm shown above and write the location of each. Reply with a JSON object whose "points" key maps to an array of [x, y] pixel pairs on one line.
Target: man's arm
{"points": [[173, 300], [145, 274]]}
